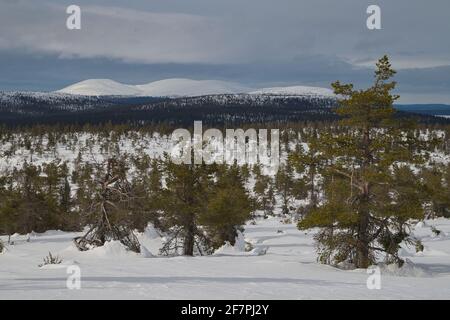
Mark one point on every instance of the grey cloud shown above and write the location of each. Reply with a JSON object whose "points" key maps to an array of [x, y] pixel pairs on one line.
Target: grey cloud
{"points": [[112, 32], [261, 42], [232, 31]]}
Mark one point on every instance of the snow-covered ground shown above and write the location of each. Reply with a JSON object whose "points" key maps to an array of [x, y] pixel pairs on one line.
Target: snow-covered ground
{"points": [[287, 270]]}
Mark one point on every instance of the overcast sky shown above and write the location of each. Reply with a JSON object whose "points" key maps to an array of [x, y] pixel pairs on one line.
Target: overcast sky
{"points": [[254, 42]]}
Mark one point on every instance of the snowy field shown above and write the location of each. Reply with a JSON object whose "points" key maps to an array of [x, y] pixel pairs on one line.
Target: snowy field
{"points": [[281, 266]]}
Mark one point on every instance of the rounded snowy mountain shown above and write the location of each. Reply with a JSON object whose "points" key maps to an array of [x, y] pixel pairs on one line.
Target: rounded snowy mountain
{"points": [[162, 88], [190, 88], [100, 87], [184, 88]]}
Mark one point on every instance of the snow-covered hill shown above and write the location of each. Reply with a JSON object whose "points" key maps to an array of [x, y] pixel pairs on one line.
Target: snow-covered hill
{"points": [[23, 102], [162, 88], [295, 91], [100, 87], [184, 88], [189, 88]]}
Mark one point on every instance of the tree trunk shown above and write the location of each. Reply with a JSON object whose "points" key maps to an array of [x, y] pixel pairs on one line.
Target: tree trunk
{"points": [[313, 203], [362, 247], [188, 247]]}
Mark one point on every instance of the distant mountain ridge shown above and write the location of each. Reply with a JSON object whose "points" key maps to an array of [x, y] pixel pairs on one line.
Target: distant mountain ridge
{"points": [[180, 102], [184, 88], [23, 108]]}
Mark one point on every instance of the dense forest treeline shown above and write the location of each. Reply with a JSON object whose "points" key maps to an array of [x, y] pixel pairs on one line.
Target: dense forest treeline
{"points": [[27, 109]]}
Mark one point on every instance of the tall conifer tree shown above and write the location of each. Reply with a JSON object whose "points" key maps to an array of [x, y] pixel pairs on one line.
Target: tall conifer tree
{"points": [[365, 210]]}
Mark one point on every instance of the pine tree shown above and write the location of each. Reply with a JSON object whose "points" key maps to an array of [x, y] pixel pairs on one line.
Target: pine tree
{"points": [[36, 208], [308, 162], [229, 207], [203, 207], [109, 211], [183, 200], [436, 191], [65, 197], [284, 185], [58, 194], [264, 192], [9, 213], [364, 216], [147, 188], [245, 172]]}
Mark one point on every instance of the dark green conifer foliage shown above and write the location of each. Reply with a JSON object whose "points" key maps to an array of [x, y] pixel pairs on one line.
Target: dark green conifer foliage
{"points": [[229, 207], [264, 192], [285, 186], [147, 188], [308, 162], [436, 191], [368, 195], [203, 207], [183, 200]]}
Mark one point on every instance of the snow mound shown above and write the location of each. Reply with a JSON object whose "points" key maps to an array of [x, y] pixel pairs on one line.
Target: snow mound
{"points": [[409, 269], [151, 232], [146, 253], [259, 251], [420, 224], [151, 240], [240, 247], [228, 249], [111, 249], [240, 242], [237, 248]]}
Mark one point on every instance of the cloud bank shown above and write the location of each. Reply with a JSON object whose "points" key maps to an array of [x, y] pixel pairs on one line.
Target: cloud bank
{"points": [[252, 41]]}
